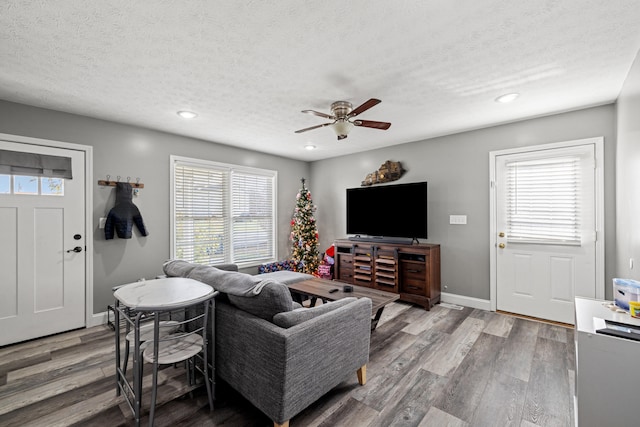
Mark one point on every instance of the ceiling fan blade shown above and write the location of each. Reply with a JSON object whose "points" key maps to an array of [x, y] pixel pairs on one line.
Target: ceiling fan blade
{"points": [[313, 127], [317, 113], [372, 124], [364, 107]]}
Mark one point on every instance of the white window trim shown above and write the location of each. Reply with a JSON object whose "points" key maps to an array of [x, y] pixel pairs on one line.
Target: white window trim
{"points": [[173, 160]]}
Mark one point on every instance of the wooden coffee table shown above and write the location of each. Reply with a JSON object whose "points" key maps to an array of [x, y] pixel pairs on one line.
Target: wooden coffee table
{"points": [[319, 288]]}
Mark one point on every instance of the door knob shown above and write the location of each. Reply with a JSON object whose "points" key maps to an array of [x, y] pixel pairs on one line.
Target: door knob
{"points": [[501, 245], [501, 234], [76, 249]]}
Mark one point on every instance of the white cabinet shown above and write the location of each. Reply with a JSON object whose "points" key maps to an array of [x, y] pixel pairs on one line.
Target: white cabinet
{"points": [[607, 369]]}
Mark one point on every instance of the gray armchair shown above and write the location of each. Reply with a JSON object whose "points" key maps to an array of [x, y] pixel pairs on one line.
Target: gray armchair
{"points": [[281, 370]]}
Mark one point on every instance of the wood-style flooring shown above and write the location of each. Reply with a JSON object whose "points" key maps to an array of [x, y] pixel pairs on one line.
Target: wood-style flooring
{"points": [[443, 367]]}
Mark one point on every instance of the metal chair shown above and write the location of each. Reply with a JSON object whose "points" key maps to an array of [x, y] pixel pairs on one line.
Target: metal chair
{"points": [[167, 327], [146, 331], [188, 343]]}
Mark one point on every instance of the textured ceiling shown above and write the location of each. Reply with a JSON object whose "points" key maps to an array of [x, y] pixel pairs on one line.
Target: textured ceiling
{"points": [[248, 67]]}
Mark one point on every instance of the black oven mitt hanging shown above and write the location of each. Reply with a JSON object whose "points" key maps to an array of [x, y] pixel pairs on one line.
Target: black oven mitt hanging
{"points": [[124, 214]]}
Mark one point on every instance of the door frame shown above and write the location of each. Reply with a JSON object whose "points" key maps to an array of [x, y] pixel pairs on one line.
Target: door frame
{"points": [[88, 210], [599, 209]]}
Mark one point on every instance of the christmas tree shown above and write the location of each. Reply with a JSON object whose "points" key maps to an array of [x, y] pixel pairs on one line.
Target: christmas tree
{"points": [[304, 233]]}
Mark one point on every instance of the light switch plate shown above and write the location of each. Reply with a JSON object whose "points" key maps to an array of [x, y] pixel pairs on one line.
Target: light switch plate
{"points": [[457, 219], [103, 221]]}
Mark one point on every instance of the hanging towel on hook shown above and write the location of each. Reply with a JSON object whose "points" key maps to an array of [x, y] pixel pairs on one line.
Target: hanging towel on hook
{"points": [[123, 215]]}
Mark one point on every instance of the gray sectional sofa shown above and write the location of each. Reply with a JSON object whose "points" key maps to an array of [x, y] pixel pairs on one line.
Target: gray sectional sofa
{"points": [[279, 356]]}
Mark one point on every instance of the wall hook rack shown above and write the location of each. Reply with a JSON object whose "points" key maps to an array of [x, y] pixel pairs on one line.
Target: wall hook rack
{"points": [[109, 183]]}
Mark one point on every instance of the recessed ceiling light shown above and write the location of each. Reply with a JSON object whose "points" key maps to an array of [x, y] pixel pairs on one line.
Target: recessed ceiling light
{"points": [[310, 147], [507, 98], [187, 114]]}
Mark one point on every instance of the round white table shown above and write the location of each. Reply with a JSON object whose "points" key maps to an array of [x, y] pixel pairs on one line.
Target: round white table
{"points": [[158, 296], [163, 294]]}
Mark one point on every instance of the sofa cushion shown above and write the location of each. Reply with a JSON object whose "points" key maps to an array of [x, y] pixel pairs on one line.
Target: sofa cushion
{"points": [[261, 296], [230, 282], [178, 268], [286, 277], [274, 298], [300, 315]]}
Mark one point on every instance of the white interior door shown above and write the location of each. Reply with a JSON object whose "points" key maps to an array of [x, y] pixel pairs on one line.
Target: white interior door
{"points": [[545, 226], [42, 280]]}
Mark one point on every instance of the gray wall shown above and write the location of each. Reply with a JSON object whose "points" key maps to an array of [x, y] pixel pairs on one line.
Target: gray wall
{"points": [[137, 152], [457, 169], [628, 176]]}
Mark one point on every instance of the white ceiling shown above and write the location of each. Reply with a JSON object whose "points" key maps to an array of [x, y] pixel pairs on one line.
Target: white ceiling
{"points": [[248, 67]]}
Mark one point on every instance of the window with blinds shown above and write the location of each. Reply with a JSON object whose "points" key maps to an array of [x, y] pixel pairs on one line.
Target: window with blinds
{"points": [[544, 201], [222, 213], [252, 217]]}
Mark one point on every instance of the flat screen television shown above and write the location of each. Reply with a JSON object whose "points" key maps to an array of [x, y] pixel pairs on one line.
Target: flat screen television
{"points": [[388, 211]]}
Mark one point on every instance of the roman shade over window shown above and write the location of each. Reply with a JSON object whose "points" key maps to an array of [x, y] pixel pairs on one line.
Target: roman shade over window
{"points": [[32, 164], [544, 201], [223, 213]]}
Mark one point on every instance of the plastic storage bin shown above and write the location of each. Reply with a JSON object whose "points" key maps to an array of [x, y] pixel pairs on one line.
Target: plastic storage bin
{"points": [[625, 290]]}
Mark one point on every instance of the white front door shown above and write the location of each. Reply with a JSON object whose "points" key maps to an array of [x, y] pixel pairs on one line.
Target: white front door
{"points": [[42, 278], [545, 230]]}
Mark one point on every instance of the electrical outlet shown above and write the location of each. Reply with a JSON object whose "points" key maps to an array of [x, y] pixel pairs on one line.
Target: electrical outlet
{"points": [[458, 219], [103, 222]]}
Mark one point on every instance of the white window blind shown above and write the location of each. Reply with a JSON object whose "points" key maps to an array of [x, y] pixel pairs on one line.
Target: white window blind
{"points": [[544, 201], [223, 213], [252, 217], [201, 230]]}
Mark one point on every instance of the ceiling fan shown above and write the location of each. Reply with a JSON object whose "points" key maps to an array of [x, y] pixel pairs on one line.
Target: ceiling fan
{"points": [[341, 113]]}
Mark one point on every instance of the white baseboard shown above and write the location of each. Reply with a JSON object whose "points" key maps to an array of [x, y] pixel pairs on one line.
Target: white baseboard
{"points": [[481, 304], [98, 319]]}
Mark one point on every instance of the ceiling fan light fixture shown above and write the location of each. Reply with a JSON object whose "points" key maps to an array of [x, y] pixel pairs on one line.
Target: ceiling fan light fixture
{"points": [[509, 97], [342, 114], [342, 127]]}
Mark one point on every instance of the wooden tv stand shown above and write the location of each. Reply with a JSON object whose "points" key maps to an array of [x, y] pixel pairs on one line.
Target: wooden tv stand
{"points": [[413, 271]]}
